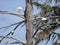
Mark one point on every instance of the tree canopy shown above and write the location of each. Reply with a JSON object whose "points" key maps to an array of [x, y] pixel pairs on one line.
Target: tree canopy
{"points": [[39, 27]]}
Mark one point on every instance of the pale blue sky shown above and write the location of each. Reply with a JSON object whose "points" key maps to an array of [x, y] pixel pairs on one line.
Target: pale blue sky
{"points": [[5, 19]]}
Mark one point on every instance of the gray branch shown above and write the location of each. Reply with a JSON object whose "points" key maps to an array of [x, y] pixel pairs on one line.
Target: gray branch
{"points": [[11, 13]]}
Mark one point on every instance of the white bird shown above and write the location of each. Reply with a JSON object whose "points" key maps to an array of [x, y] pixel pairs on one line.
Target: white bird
{"points": [[44, 19], [19, 9]]}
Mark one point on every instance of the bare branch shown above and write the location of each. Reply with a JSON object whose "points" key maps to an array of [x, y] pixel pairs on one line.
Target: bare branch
{"points": [[48, 17], [17, 26], [6, 36], [12, 13], [16, 42], [9, 25], [19, 41], [12, 24], [13, 29]]}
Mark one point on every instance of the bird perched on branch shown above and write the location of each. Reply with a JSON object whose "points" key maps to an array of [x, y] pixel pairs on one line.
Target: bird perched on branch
{"points": [[19, 9]]}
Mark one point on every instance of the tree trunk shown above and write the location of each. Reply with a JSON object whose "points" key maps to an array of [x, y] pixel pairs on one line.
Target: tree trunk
{"points": [[29, 26]]}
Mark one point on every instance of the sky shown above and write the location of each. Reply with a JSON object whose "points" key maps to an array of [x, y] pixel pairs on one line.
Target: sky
{"points": [[6, 19]]}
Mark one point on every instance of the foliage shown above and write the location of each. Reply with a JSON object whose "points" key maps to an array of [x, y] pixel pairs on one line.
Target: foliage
{"points": [[47, 26]]}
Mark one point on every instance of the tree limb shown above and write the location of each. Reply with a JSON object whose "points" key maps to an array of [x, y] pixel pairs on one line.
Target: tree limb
{"points": [[12, 13]]}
